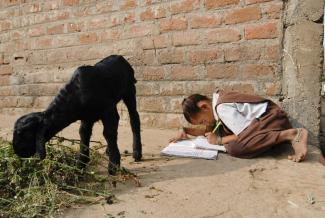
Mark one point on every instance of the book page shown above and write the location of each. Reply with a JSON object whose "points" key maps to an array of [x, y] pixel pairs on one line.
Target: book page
{"points": [[202, 143]]}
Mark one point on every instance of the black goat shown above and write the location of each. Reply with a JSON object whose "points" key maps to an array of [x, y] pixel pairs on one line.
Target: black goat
{"points": [[91, 95]]}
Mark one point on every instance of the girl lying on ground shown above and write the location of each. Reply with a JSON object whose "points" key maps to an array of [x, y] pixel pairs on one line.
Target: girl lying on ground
{"points": [[246, 125]]}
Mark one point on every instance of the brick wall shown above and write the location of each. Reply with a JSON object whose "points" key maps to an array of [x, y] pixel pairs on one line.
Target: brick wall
{"points": [[176, 47]]}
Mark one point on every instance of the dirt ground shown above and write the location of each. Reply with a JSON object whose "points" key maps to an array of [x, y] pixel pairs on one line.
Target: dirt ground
{"points": [[268, 186]]}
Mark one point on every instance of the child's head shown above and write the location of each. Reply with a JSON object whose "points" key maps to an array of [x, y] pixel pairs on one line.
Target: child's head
{"points": [[197, 110]]}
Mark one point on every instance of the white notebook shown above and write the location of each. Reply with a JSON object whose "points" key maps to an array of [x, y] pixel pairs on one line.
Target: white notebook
{"points": [[196, 148]]}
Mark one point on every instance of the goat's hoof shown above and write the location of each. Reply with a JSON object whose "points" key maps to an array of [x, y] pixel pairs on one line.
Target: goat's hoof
{"points": [[112, 170], [137, 156], [82, 162]]}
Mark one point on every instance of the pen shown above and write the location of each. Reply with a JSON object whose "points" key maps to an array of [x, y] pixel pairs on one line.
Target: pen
{"points": [[217, 125]]}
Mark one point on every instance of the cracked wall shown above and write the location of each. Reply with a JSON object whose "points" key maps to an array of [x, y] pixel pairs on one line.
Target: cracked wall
{"points": [[302, 63]]}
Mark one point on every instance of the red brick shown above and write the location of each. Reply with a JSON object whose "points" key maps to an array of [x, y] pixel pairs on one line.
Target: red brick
{"points": [[128, 4], [50, 5], [148, 2], [10, 2], [273, 89], [212, 4], [243, 15], [62, 15], [154, 104], [153, 73], [153, 13], [24, 101], [203, 56], [176, 104], [43, 43], [87, 38], [98, 22], [59, 56], [35, 8], [22, 45], [39, 18], [104, 7], [223, 35], [248, 2], [5, 25], [173, 24], [153, 42], [110, 34], [58, 29], [201, 87], [242, 88], [262, 31], [70, 2], [145, 88], [180, 72], [138, 30], [272, 53], [75, 27], [242, 52], [66, 40], [6, 69], [186, 38], [6, 90], [202, 21], [17, 34], [129, 17], [171, 89], [273, 11], [258, 71], [4, 80], [42, 102], [149, 57], [222, 71], [184, 6], [171, 56]]}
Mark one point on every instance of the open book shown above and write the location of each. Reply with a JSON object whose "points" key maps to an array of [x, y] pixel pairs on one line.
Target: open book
{"points": [[197, 148]]}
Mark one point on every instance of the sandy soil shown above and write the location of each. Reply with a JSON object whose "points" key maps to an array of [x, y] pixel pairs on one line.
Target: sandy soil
{"points": [[268, 186]]}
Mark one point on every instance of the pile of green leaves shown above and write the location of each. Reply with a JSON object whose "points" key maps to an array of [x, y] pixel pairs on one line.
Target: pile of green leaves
{"points": [[33, 188]]}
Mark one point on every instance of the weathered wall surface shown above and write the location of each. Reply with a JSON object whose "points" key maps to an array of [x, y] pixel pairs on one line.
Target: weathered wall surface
{"points": [[177, 47], [302, 63]]}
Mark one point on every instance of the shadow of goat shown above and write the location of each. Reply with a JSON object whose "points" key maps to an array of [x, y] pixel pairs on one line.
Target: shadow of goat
{"points": [[91, 95]]}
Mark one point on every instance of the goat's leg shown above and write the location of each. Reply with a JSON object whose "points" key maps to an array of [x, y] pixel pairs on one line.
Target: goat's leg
{"points": [[131, 104], [85, 131], [110, 122]]}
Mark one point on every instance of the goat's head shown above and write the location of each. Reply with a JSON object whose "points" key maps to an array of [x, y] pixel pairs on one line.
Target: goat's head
{"points": [[26, 130]]}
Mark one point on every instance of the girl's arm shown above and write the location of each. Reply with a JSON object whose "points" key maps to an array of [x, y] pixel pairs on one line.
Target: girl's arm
{"points": [[214, 139], [190, 131], [227, 139]]}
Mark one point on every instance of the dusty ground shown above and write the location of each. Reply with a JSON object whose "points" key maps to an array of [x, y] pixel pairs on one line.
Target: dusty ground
{"points": [[269, 186]]}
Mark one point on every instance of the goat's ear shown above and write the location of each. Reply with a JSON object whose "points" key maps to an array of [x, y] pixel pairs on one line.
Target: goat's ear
{"points": [[27, 124], [40, 145]]}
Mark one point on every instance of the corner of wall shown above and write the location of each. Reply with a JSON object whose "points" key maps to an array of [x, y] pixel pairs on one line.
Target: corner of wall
{"points": [[302, 58]]}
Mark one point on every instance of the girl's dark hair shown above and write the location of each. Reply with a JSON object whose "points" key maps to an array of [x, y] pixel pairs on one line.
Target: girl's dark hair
{"points": [[190, 107]]}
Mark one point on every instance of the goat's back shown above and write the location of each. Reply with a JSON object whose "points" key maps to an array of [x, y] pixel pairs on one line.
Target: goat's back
{"points": [[106, 82]]}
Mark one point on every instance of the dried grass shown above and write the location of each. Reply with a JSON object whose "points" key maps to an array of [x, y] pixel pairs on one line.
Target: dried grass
{"points": [[34, 188]]}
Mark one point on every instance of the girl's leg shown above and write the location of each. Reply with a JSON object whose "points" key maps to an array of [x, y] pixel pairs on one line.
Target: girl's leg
{"points": [[249, 147], [298, 139]]}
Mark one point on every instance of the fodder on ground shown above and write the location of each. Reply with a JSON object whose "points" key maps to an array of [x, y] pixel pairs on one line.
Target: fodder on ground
{"points": [[34, 188]]}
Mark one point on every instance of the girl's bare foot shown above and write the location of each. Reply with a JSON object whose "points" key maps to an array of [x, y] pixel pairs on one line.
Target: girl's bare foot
{"points": [[299, 144]]}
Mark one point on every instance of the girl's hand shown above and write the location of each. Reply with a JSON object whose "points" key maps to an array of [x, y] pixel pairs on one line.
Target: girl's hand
{"points": [[212, 138], [181, 136]]}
